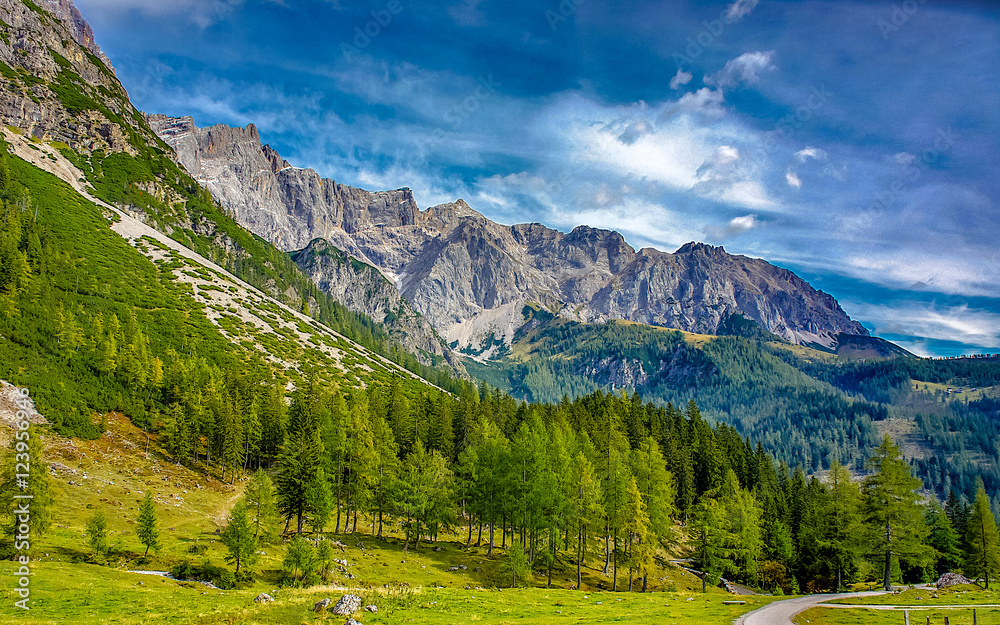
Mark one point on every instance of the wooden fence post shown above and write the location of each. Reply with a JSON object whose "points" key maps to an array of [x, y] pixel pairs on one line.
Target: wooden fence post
{"points": [[906, 617]]}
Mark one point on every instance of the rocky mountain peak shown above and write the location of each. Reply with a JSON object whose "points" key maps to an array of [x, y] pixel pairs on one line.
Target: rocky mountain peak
{"points": [[73, 20], [471, 277], [695, 247]]}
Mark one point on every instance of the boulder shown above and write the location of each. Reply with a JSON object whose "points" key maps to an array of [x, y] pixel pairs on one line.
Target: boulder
{"points": [[263, 598], [347, 605], [351, 621], [372, 608], [952, 579], [322, 605]]}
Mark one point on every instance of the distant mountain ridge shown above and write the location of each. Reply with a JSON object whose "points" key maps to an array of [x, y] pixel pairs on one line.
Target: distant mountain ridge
{"points": [[471, 277]]}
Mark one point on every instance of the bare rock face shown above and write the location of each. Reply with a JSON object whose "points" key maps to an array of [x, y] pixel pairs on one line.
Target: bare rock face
{"points": [[71, 18], [363, 289], [470, 277], [286, 205], [58, 85]]}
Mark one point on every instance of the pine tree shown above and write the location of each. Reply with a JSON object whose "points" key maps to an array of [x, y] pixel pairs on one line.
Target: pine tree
{"points": [[145, 526], [710, 539], [319, 502], [516, 564], [586, 510], [299, 462], [641, 546], [238, 537], [841, 521], [944, 539], [983, 555], [894, 518]]}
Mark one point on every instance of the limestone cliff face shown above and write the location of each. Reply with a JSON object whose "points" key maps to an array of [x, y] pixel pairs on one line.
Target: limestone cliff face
{"points": [[363, 289], [286, 205], [71, 18], [470, 277], [58, 85]]}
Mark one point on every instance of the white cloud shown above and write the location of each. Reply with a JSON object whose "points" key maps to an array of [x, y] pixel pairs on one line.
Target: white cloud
{"points": [[680, 78], [946, 323], [736, 226], [740, 9], [903, 268], [810, 152], [745, 69], [793, 179], [703, 101], [635, 131], [903, 158]]}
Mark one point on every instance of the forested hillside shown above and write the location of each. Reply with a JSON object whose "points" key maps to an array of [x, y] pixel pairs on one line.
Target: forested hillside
{"points": [[806, 406]]}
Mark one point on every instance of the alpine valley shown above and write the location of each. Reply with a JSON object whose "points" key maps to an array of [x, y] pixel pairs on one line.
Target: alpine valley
{"points": [[184, 306]]}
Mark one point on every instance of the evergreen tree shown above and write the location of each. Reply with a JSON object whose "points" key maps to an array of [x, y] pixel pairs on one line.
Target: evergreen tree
{"points": [[710, 537], [145, 527], [836, 524], [319, 502], [298, 464], [894, 518], [239, 538], [944, 539], [983, 555], [641, 547]]}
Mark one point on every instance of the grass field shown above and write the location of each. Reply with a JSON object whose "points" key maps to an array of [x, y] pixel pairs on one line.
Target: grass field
{"points": [[70, 585], [921, 605]]}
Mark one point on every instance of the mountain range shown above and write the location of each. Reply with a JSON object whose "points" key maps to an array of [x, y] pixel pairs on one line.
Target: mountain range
{"points": [[228, 257], [471, 277]]}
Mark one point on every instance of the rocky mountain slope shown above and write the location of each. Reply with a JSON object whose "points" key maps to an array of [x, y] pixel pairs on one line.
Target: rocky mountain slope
{"points": [[64, 110], [471, 277], [58, 85]]}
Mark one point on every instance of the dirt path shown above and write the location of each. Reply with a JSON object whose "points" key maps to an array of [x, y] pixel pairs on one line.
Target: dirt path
{"points": [[782, 612]]}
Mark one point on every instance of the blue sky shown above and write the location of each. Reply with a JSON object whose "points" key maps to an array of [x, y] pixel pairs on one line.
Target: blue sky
{"points": [[853, 142]]}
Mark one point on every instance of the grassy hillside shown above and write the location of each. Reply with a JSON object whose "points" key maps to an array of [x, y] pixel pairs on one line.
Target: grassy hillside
{"points": [[94, 325]]}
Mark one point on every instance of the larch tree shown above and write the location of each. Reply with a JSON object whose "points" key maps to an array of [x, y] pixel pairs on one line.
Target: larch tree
{"points": [[261, 507], [239, 538], [894, 517], [146, 525], [983, 551]]}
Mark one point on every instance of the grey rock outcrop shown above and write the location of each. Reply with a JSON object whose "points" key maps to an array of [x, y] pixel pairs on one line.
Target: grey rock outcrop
{"points": [[82, 33], [952, 579], [347, 605], [363, 289], [470, 277], [59, 86]]}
